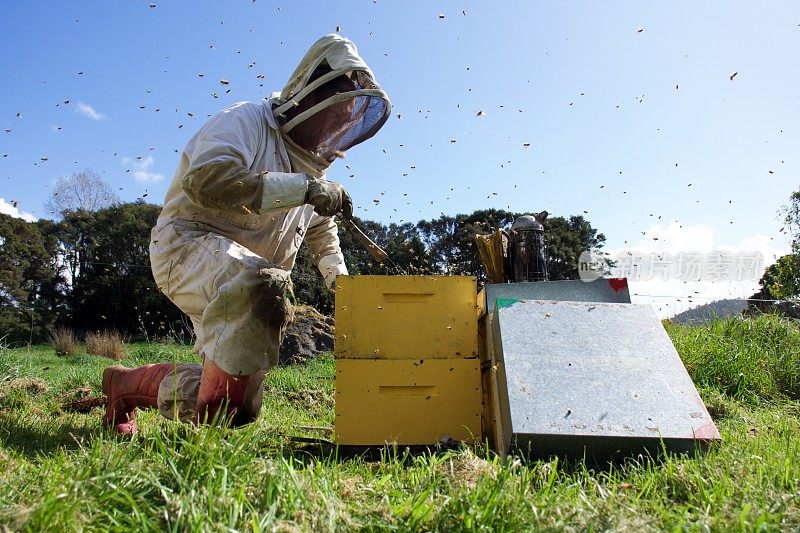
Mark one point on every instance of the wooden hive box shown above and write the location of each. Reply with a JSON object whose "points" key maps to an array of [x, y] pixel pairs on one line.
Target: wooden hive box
{"points": [[407, 367], [403, 317]]}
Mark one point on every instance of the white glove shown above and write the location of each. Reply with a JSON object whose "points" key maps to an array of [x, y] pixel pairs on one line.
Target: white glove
{"points": [[331, 266]]}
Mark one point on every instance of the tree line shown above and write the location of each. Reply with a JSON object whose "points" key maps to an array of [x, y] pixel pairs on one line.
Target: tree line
{"points": [[90, 271], [780, 284]]}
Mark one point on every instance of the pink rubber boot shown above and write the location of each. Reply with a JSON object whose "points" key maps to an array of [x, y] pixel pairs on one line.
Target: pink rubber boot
{"points": [[129, 388]]}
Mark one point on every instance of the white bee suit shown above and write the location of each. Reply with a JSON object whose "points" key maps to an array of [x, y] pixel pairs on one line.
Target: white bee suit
{"points": [[220, 264], [234, 218]]}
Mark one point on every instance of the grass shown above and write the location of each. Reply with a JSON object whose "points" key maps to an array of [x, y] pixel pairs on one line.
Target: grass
{"points": [[63, 341], [752, 360], [61, 472], [106, 344]]}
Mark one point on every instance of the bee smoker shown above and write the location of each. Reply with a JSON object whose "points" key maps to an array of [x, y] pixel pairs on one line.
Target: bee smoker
{"points": [[526, 257]]}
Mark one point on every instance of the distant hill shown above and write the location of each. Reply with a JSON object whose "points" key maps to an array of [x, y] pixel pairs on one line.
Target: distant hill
{"points": [[709, 311]]}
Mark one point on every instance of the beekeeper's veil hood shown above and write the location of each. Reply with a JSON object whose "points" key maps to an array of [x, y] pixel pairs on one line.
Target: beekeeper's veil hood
{"points": [[331, 103]]}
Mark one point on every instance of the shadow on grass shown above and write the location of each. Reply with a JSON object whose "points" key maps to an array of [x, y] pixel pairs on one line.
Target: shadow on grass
{"points": [[43, 437], [303, 450]]}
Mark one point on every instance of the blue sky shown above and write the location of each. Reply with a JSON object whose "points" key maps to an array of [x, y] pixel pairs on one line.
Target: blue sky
{"points": [[623, 112]]}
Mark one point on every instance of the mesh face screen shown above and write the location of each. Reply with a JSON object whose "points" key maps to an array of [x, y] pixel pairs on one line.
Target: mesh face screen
{"points": [[349, 123], [341, 125]]}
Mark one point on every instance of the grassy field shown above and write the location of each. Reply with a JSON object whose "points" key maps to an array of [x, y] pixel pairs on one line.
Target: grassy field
{"points": [[59, 471]]}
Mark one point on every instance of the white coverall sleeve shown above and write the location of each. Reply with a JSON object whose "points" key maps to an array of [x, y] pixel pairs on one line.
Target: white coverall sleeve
{"points": [[322, 240], [221, 155]]}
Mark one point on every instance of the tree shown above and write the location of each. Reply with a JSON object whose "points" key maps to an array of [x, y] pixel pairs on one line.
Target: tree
{"points": [[53, 290], [113, 286], [791, 219], [779, 284], [781, 280], [74, 235], [81, 191], [566, 240], [406, 250], [450, 241], [401, 242], [91, 269], [29, 286]]}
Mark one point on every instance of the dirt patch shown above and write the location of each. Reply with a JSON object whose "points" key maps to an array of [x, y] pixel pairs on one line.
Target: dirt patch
{"points": [[309, 399], [84, 405], [32, 386], [309, 334], [81, 400]]}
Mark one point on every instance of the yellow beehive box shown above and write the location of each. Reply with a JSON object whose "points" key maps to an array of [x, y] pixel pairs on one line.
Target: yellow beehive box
{"points": [[403, 317], [407, 401]]}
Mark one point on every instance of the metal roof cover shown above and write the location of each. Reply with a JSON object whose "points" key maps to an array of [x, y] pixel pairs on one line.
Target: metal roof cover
{"points": [[596, 379], [575, 290]]}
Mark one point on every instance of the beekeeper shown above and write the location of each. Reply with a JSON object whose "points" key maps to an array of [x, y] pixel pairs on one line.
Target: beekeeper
{"points": [[250, 188]]}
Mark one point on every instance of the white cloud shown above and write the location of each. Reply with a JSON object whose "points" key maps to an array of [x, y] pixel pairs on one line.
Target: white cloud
{"points": [[86, 110], [675, 237], [140, 169], [10, 209], [671, 294]]}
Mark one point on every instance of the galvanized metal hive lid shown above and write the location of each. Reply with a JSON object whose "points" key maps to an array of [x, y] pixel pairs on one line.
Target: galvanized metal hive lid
{"points": [[584, 374]]}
